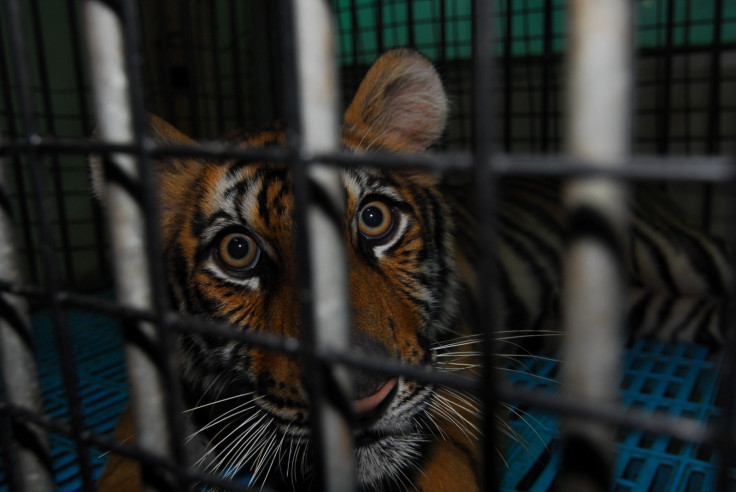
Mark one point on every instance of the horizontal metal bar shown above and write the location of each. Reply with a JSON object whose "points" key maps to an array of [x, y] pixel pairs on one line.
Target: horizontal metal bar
{"points": [[682, 428], [703, 168]]}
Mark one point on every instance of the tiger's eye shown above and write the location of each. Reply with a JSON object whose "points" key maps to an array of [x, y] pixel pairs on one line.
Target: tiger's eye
{"points": [[238, 251], [375, 220]]}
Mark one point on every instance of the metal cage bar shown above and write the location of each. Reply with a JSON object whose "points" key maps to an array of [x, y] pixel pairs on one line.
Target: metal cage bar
{"points": [[599, 81], [486, 196], [51, 292], [129, 231], [322, 257], [27, 442], [307, 159]]}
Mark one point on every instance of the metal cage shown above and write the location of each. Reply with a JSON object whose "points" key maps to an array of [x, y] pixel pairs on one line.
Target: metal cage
{"points": [[520, 75]]}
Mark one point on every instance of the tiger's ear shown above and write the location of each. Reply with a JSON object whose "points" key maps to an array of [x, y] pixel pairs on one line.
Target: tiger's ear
{"points": [[400, 105], [172, 172]]}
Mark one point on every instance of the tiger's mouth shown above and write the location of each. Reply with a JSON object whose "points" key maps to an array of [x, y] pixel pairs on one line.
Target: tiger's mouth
{"points": [[369, 409]]}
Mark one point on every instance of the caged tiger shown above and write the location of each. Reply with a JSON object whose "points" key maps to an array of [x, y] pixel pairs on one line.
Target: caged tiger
{"points": [[228, 233]]}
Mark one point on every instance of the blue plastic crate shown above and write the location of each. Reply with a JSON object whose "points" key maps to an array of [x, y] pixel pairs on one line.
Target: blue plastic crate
{"points": [[677, 379]]}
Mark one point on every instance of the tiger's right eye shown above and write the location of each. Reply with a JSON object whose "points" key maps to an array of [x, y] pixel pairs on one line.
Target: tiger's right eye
{"points": [[375, 220], [238, 252]]}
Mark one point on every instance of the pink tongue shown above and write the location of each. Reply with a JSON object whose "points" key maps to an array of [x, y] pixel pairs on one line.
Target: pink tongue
{"points": [[369, 403]]}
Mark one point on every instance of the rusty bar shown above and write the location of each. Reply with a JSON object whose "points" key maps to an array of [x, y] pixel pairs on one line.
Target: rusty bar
{"points": [[599, 88], [126, 225], [318, 103]]}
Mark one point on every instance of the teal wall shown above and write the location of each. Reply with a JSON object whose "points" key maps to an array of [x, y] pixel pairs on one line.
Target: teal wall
{"points": [[693, 25]]}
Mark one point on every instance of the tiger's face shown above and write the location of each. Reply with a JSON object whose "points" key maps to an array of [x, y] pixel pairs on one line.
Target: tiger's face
{"points": [[229, 245]]}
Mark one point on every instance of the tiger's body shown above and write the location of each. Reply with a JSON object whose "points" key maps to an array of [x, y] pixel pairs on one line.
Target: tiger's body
{"points": [[228, 239]]}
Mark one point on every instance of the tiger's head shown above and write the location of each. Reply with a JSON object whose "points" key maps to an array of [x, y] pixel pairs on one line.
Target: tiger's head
{"points": [[229, 245]]}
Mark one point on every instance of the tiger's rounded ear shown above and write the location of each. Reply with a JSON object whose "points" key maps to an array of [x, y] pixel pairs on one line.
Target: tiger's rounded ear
{"points": [[158, 129], [400, 105]]}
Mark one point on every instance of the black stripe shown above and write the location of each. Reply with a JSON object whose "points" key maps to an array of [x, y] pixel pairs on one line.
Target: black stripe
{"points": [[660, 262], [703, 262], [321, 199], [517, 317], [664, 312], [236, 191], [114, 174], [547, 285], [585, 222], [689, 245], [262, 199], [538, 242], [636, 313]]}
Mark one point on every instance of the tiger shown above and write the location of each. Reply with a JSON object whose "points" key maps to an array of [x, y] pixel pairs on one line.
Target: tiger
{"points": [[228, 242]]}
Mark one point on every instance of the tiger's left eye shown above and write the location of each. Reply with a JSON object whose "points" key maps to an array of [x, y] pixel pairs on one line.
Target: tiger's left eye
{"points": [[375, 220], [238, 251]]}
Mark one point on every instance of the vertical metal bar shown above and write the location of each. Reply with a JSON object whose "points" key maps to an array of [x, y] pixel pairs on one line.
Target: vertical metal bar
{"points": [[546, 118], [20, 187], [162, 37], [128, 232], [379, 25], [235, 61], [217, 76], [8, 452], [725, 443], [62, 332], [483, 34], [30, 447], [411, 38], [317, 98], [723, 437], [62, 217], [508, 68], [261, 72], [665, 83], [190, 55], [599, 83], [714, 104], [442, 58], [355, 21], [84, 115]]}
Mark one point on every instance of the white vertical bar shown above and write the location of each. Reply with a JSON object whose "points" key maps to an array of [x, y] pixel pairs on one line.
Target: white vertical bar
{"points": [[318, 93], [19, 367], [106, 51], [599, 96]]}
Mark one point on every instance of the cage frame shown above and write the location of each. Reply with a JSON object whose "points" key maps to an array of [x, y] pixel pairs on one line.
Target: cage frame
{"points": [[485, 161]]}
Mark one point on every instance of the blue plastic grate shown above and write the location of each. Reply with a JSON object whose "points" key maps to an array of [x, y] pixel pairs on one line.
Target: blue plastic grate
{"points": [[676, 379], [103, 391]]}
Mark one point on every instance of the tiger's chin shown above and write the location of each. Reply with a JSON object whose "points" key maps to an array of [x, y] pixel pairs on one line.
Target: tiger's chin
{"points": [[388, 449], [254, 443], [387, 461]]}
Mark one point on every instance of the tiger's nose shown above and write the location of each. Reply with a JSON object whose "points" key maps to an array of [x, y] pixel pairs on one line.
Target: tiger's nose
{"points": [[372, 392], [372, 402]]}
